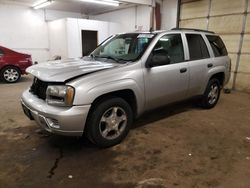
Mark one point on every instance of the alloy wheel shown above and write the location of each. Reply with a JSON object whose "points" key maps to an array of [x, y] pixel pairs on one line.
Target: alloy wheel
{"points": [[213, 93], [11, 75], [113, 122]]}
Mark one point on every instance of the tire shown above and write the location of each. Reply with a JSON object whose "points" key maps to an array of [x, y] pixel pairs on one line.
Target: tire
{"points": [[10, 74], [109, 122], [212, 94]]}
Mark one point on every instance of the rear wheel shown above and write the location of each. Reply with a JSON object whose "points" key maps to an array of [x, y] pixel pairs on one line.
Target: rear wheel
{"points": [[10, 74], [212, 94], [109, 122]]}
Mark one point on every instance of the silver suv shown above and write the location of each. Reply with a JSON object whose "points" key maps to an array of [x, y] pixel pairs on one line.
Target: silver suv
{"points": [[128, 74]]}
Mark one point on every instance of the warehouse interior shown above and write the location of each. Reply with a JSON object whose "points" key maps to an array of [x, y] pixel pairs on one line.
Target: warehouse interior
{"points": [[178, 145]]}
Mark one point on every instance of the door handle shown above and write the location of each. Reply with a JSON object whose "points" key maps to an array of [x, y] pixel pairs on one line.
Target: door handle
{"points": [[182, 70], [209, 65]]}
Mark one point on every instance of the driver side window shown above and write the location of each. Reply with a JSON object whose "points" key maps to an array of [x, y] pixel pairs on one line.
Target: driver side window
{"points": [[170, 45]]}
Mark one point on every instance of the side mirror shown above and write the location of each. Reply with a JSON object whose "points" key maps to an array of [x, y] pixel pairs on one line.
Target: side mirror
{"points": [[158, 58]]}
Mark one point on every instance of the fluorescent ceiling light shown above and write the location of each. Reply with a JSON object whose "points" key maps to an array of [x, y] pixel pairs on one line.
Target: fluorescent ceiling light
{"points": [[42, 4], [103, 2]]}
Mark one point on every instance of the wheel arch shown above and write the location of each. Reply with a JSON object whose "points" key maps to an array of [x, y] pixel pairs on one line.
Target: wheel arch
{"points": [[10, 65], [126, 94], [220, 76]]}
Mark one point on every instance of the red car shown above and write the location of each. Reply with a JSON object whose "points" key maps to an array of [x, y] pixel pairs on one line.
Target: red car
{"points": [[13, 64]]}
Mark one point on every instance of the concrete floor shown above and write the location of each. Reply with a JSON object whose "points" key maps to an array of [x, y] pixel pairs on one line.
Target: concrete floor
{"points": [[177, 146]]}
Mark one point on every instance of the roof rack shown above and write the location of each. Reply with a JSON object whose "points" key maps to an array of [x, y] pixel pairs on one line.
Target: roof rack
{"points": [[201, 30]]}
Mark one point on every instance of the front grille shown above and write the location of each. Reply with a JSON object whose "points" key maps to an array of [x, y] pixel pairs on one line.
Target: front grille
{"points": [[39, 88]]}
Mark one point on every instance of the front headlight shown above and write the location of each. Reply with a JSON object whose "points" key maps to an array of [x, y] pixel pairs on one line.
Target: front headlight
{"points": [[60, 95]]}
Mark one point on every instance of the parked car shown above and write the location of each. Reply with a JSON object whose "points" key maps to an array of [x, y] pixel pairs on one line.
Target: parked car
{"points": [[128, 74], [13, 64]]}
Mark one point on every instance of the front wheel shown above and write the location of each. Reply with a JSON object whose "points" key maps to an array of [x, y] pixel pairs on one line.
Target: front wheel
{"points": [[212, 94], [10, 74], [109, 122]]}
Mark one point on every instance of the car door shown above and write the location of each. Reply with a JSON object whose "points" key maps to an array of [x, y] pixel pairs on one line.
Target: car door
{"points": [[199, 63], [166, 82]]}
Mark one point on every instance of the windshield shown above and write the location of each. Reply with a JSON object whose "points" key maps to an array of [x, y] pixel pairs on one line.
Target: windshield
{"points": [[124, 47]]}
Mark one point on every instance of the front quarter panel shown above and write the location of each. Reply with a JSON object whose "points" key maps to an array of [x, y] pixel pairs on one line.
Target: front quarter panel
{"points": [[90, 87]]}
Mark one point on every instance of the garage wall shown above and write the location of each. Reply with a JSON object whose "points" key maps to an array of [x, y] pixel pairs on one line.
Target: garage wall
{"points": [[65, 35], [139, 17], [169, 13], [131, 19], [26, 30], [51, 15], [230, 19], [58, 38], [75, 26]]}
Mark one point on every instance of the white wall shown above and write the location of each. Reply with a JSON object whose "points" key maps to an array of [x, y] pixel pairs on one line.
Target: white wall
{"points": [[51, 15], [58, 38], [74, 28], [130, 18], [65, 35], [137, 17], [26, 30], [143, 17], [169, 14]]}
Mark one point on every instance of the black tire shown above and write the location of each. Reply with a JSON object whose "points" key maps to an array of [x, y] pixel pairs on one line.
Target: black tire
{"points": [[14, 74], [211, 95], [96, 126]]}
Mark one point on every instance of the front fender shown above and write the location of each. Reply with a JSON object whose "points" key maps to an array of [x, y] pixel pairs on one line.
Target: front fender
{"points": [[125, 84]]}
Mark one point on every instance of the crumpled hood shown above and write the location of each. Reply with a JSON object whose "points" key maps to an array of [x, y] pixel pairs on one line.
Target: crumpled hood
{"points": [[60, 71]]}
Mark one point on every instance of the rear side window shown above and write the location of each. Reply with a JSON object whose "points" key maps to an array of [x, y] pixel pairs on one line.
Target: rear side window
{"points": [[197, 47], [217, 45]]}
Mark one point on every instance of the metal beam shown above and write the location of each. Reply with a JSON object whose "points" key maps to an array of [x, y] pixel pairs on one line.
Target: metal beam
{"points": [[138, 2], [241, 44], [116, 9], [178, 14]]}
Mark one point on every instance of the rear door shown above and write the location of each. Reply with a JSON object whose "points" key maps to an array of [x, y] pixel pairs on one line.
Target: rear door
{"points": [[167, 83], [199, 63]]}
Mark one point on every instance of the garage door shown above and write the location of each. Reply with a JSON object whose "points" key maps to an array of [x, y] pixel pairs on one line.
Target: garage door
{"points": [[231, 20]]}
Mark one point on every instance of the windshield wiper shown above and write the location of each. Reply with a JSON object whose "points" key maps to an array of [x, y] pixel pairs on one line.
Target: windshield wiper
{"points": [[109, 57]]}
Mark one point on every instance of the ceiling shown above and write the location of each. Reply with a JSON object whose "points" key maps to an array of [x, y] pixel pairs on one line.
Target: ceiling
{"points": [[75, 6]]}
